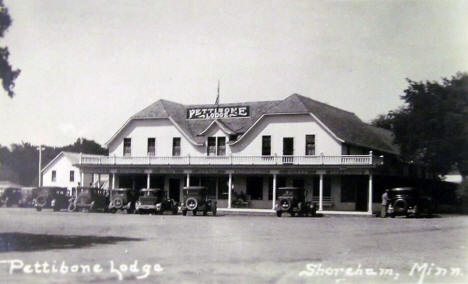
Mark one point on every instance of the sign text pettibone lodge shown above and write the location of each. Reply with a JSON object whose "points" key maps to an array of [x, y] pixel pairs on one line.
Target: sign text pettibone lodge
{"points": [[218, 112]]}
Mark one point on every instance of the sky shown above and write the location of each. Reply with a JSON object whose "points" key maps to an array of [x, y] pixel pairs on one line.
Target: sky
{"points": [[88, 65]]}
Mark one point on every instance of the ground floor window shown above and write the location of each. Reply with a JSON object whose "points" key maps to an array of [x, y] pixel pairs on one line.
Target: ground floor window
{"points": [[255, 188], [223, 188], [350, 185]]}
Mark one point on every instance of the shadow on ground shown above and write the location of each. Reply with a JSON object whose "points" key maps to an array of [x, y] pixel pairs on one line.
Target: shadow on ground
{"points": [[34, 242]]}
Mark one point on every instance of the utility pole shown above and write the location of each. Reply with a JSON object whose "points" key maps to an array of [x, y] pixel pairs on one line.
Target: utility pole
{"points": [[40, 148]]}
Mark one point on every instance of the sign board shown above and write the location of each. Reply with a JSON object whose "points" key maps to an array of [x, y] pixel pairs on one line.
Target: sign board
{"points": [[218, 112]]}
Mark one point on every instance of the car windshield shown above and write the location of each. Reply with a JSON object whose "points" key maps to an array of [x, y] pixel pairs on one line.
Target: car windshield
{"points": [[288, 191], [147, 193]]}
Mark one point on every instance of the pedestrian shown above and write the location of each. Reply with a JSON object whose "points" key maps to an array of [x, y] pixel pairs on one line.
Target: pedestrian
{"points": [[383, 212]]}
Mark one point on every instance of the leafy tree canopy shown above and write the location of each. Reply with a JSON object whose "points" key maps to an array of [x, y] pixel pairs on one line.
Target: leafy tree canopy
{"points": [[7, 74], [432, 126]]}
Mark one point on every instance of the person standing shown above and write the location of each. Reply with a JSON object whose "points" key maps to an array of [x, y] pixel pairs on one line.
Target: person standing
{"points": [[385, 200]]}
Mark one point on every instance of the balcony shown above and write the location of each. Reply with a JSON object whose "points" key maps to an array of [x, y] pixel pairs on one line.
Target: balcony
{"points": [[343, 160]]}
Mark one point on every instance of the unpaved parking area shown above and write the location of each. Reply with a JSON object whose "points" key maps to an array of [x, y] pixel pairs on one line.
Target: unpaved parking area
{"points": [[229, 249]]}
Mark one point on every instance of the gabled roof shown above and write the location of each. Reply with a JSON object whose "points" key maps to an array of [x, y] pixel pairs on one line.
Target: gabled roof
{"points": [[73, 157], [344, 126]]}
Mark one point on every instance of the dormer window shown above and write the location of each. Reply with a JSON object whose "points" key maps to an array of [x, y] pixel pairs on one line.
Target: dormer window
{"points": [[216, 146]]}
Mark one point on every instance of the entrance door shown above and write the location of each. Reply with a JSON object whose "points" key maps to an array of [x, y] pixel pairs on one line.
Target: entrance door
{"points": [[288, 150], [174, 189]]}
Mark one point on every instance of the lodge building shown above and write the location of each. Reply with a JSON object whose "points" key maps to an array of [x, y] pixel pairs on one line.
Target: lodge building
{"points": [[244, 151]]}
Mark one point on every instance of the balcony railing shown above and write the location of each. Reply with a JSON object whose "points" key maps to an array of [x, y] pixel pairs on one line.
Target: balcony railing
{"points": [[345, 160]]}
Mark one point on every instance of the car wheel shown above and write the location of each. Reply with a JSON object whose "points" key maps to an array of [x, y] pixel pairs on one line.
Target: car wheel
{"points": [[214, 210], [194, 212], [38, 209], [293, 214], [279, 213], [56, 209], [175, 210], [205, 212], [113, 210], [184, 212], [129, 211]]}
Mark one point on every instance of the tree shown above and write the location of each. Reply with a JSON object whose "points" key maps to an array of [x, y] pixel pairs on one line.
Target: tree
{"points": [[7, 74], [431, 128]]}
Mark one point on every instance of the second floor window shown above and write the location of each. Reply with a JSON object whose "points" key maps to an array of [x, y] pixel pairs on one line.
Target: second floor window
{"points": [[310, 145], [176, 146], [127, 147], [54, 175], [72, 176], [151, 146], [266, 145], [211, 149], [221, 146]]}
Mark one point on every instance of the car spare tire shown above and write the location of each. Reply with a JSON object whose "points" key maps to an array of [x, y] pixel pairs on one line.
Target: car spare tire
{"points": [[191, 203], [400, 206], [118, 202], [285, 204], [41, 201]]}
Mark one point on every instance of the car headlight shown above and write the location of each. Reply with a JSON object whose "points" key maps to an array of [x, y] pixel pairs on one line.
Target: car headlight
{"points": [[52, 203], [158, 206], [138, 203]]}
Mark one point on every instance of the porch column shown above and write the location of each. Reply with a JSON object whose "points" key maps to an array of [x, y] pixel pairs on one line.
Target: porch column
{"points": [[188, 179], [99, 180], [321, 193], [113, 180], [230, 189], [82, 178], [274, 192], [369, 208], [148, 178]]}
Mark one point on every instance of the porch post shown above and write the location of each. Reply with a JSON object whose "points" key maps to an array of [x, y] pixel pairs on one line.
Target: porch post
{"points": [[274, 192], [230, 189], [148, 178], [188, 179], [369, 208], [113, 180], [82, 178], [321, 193], [99, 180]]}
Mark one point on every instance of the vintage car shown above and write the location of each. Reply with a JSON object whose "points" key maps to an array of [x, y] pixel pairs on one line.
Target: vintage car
{"points": [[121, 199], [409, 201], [10, 196], [196, 199], [28, 194], [292, 200], [154, 200], [90, 199], [51, 197]]}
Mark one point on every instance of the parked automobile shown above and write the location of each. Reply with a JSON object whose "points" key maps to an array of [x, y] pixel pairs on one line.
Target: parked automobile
{"points": [[121, 199], [10, 196], [409, 201], [90, 199], [292, 200], [155, 200], [196, 199], [28, 194], [51, 197]]}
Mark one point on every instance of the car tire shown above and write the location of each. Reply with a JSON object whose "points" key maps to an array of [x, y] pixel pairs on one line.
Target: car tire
{"points": [[56, 209], [293, 214], [194, 212], [113, 210], [214, 210], [38, 209], [175, 210], [184, 212], [205, 212], [279, 213]]}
